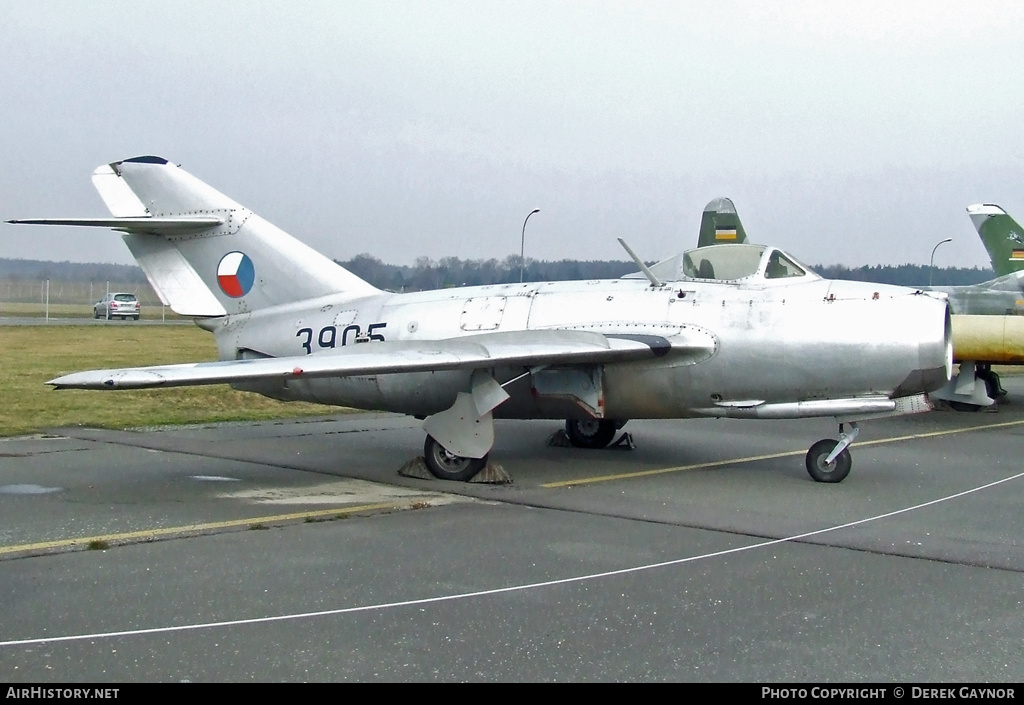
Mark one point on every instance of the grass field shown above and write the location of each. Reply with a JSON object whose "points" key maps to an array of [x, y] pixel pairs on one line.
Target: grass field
{"points": [[31, 355]]}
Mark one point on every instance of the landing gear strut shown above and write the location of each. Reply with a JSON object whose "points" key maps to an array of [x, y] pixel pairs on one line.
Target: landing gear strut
{"points": [[829, 460]]}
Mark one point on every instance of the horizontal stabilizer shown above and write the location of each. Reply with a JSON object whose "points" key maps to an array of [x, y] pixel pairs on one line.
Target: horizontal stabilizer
{"points": [[526, 348], [154, 226]]}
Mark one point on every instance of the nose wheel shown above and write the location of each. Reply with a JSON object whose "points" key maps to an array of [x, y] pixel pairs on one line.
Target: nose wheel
{"points": [[829, 460]]}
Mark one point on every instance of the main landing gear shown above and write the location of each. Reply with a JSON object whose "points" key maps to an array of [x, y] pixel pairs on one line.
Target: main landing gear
{"points": [[445, 465], [590, 433], [974, 387], [582, 433], [594, 433], [993, 388], [829, 460], [460, 437]]}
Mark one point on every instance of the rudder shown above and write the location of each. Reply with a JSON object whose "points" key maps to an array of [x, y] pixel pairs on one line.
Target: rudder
{"points": [[1002, 236], [720, 224]]}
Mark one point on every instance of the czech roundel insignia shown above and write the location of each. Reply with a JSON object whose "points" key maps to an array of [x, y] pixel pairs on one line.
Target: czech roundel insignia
{"points": [[236, 274]]}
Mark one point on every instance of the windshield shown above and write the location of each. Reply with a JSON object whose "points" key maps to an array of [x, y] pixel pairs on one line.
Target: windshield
{"points": [[724, 262], [732, 262]]}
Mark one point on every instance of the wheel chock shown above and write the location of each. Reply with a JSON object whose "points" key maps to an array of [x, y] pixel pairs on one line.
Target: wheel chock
{"points": [[625, 442], [491, 474], [417, 467], [558, 439]]}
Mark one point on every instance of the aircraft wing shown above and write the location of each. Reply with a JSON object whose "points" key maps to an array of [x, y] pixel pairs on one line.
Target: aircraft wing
{"points": [[536, 348]]}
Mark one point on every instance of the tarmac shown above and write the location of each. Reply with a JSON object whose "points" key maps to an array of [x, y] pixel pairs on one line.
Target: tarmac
{"points": [[294, 551]]}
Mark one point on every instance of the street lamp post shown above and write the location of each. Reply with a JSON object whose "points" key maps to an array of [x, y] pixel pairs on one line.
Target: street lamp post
{"points": [[931, 262], [522, 244]]}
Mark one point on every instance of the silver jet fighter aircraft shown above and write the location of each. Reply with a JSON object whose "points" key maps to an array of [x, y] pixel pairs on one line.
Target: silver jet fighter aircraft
{"points": [[739, 331]]}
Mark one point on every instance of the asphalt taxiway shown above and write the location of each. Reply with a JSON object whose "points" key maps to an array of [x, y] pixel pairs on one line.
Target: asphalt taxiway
{"points": [[293, 550]]}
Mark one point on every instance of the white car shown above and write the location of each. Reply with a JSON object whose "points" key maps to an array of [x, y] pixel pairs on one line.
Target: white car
{"points": [[120, 305]]}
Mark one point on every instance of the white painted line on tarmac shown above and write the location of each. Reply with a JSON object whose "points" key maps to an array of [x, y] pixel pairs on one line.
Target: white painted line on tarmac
{"points": [[496, 591]]}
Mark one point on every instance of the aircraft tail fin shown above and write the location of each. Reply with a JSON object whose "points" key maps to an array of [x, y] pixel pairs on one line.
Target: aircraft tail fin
{"points": [[1002, 236], [203, 253], [720, 224]]}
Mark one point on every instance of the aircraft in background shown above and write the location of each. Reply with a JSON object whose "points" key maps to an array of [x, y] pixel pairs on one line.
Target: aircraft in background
{"points": [[725, 336], [1002, 236], [720, 224], [988, 318]]}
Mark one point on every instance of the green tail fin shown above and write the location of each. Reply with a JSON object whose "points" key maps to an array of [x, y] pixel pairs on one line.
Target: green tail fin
{"points": [[1003, 237], [720, 225]]}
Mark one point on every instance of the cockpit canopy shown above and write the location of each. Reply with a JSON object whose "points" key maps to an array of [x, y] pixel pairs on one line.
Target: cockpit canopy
{"points": [[733, 262]]}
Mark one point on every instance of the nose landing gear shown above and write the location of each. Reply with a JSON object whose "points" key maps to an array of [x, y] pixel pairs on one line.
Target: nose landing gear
{"points": [[829, 460]]}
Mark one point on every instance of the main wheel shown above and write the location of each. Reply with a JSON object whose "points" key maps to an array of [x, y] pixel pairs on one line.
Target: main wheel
{"points": [[448, 466], [590, 433], [828, 472]]}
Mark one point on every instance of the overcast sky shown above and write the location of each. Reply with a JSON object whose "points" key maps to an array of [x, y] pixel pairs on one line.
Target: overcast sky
{"points": [[853, 133]]}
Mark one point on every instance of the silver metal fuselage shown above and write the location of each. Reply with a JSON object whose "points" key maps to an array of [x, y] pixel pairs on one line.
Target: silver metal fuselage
{"points": [[772, 347]]}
